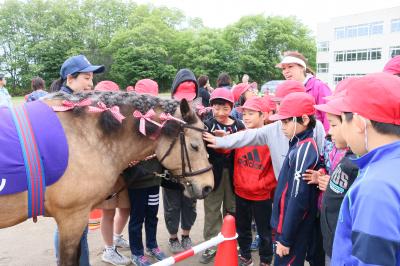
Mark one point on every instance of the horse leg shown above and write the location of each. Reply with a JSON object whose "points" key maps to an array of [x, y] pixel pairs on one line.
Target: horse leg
{"points": [[71, 228]]}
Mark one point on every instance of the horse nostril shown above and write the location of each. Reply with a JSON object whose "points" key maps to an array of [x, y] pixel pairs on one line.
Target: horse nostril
{"points": [[206, 190]]}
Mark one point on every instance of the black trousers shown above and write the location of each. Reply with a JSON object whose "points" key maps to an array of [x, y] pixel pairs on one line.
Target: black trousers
{"points": [[261, 211]]}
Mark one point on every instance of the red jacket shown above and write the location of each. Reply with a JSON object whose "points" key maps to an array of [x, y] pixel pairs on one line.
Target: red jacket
{"points": [[253, 176]]}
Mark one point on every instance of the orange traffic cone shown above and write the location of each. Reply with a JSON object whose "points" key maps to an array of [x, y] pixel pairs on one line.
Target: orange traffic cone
{"points": [[227, 250], [95, 218]]}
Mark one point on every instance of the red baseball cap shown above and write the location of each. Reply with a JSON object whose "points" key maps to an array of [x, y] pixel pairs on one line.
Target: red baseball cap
{"points": [[375, 96], [241, 88], [294, 105], [255, 104], [340, 88], [393, 66], [130, 88], [146, 86], [329, 106], [185, 90], [106, 85], [269, 102], [222, 93], [287, 87]]}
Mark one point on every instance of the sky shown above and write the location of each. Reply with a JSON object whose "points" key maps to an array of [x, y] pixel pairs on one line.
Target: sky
{"points": [[220, 13]]}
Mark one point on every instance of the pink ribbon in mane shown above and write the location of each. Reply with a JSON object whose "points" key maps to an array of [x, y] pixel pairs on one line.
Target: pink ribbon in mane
{"points": [[202, 110], [68, 105], [143, 118], [167, 116], [102, 107]]}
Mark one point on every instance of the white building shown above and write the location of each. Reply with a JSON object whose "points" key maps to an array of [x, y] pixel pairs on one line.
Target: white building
{"points": [[357, 44]]}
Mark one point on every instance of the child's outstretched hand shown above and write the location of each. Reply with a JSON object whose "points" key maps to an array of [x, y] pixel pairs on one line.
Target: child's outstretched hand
{"points": [[323, 181], [220, 133], [311, 176], [210, 138], [281, 250]]}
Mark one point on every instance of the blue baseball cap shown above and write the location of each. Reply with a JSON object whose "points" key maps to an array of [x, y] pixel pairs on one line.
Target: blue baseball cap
{"points": [[78, 64]]}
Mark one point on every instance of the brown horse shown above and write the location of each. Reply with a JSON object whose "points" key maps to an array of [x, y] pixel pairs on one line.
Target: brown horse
{"points": [[100, 148]]}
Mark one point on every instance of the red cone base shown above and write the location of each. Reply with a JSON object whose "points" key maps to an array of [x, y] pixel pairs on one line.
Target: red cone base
{"points": [[227, 251]]}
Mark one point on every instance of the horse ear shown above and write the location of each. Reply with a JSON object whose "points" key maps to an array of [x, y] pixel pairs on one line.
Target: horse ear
{"points": [[187, 113]]}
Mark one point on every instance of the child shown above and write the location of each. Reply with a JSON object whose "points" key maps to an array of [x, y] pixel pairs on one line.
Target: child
{"points": [[221, 101], [177, 207], [337, 183], [368, 232], [254, 184], [295, 201], [115, 210], [144, 194]]}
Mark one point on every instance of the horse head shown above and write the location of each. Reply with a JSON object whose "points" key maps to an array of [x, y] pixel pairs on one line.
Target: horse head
{"points": [[183, 152]]}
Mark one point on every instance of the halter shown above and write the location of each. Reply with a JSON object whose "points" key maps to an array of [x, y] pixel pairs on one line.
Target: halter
{"points": [[184, 157]]}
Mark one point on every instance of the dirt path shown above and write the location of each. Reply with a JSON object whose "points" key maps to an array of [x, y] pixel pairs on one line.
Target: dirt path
{"points": [[32, 244]]}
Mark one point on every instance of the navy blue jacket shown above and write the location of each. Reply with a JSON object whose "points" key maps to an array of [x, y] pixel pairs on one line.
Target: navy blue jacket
{"points": [[295, 200]]}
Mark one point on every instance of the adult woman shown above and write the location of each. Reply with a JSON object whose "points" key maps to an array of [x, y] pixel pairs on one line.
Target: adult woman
{"points": [[76, 74], [295, 67]]}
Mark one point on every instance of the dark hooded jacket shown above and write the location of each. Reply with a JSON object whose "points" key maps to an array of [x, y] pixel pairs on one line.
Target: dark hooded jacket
{"points": [[182, 76]]}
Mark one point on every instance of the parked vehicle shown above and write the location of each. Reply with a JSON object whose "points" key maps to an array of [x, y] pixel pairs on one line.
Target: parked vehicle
{"points": [[270, 86]]}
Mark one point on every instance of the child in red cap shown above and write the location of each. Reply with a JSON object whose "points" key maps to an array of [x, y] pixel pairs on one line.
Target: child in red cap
{"points": [[295, 201], [336, 179], [368, 229], [254, 184], [221, 101], [144, 195]]}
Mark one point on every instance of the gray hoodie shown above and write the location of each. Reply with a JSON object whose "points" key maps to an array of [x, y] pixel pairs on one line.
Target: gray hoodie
{"points": [[272, 136]]}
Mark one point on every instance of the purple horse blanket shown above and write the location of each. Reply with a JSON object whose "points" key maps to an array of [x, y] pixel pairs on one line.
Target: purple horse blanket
{"points": [[50, 140]]}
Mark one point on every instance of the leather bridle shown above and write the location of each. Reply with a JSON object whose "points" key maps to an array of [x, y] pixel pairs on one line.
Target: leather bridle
{"points": [[184, 157]]}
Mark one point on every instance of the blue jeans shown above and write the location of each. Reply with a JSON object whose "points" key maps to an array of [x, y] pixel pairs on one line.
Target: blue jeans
{"points": [[84, 257]]}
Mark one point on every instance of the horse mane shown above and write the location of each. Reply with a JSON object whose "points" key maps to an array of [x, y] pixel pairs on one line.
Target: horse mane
{"points": [[128, 102]]}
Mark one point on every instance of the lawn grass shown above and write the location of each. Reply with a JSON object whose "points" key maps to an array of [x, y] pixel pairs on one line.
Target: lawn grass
{"points": [[18, 100]]}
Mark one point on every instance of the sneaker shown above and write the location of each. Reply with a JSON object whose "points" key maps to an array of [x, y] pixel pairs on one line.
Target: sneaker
{"points": [[207, 255], [121, 242], [111, 255], [255, 244], [140, 260], [186, 243], [156, 253], [245, 262], [175, 245]]}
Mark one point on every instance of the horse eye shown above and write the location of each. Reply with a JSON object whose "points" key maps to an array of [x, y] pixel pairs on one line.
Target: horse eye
{"points": [[194, 146]]}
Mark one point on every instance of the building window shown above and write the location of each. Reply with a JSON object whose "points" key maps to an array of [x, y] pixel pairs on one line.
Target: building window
{"points": [[339, 56], [395, 25], [351, 32], [376, 28], [363, 30], [323, 68], [340, 33], [351, 55], [375, 54], [394, 50], [323, 47], [339, 77], [362, 55]]}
